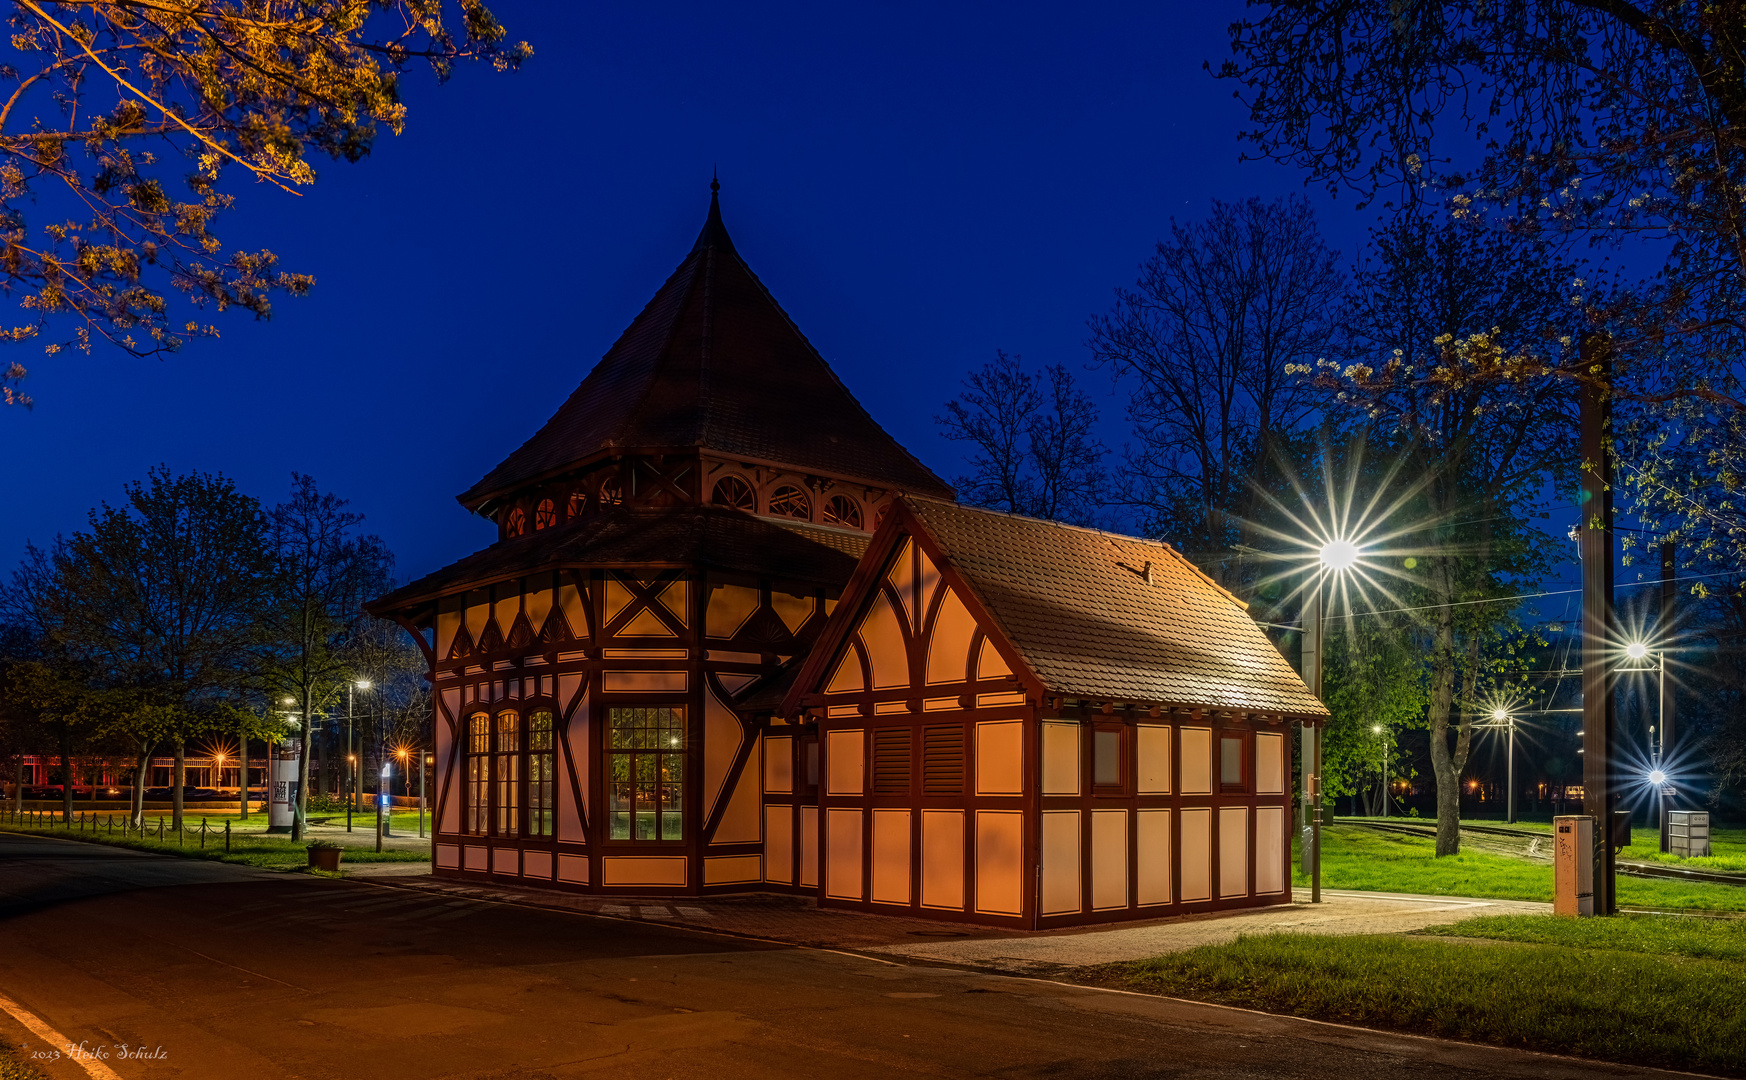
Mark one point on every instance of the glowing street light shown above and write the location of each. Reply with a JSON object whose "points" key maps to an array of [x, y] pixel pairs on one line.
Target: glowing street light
{"points": [[1339, 555], [1657, 777], [1503, 719]]}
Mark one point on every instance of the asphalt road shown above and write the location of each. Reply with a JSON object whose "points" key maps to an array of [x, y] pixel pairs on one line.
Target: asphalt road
{"points": [[245, 975]]}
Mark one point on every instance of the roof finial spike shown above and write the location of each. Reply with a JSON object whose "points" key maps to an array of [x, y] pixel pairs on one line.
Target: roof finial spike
{"points": [[714, 181]]}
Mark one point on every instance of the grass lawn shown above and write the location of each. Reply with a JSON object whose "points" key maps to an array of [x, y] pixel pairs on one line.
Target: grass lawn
{"points": [[251, 849], [1729, 844], [1671, 994], [1354, 857]]}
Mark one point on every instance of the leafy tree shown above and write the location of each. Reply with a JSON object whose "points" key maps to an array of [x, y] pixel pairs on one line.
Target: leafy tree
{"points": [[1480, 454], [1034, 451], [324, 568], [156, 605], [116, 105], [1203, 338], [1621, 123]]}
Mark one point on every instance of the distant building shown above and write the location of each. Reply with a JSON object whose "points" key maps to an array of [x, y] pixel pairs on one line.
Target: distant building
{"points": [[647, 684]]}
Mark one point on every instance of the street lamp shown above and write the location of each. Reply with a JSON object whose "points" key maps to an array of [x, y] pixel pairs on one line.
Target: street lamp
{"points": [[1334, 558], [355, 779], [1637, 652], [1382, 743], [423, 760]]}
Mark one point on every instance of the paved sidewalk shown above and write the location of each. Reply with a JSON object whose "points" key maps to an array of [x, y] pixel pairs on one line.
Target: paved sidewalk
{"points": [[798, 920], [1339, 912]]}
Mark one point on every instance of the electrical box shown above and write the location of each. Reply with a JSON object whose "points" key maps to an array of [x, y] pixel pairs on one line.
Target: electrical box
{"points": [[1688, 833], [1573, 865], [1621, 834]]}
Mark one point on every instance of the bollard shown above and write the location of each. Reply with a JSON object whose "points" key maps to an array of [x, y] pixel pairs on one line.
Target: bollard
{"points": [[160, 828], [227, 838], [202, 834]]}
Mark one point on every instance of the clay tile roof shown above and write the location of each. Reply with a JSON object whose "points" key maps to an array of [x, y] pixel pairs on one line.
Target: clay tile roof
{"points": [[713, 361], [712, 537], [1077, 606]]}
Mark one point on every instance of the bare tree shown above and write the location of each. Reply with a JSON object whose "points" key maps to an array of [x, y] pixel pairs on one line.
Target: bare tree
{"points": [[1035, 451], [1202, 339], [325, 568]]}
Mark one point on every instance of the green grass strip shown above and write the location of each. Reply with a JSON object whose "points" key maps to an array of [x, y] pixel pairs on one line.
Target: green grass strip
{"points": [[248, 849], [1354, 857], [1709, 939], [1624, 1006]]}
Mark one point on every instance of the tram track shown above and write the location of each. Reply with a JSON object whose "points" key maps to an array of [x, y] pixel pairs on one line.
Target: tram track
{"points": [[1624, 866]]}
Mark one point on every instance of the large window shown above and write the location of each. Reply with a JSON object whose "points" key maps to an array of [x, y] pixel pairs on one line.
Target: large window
{"points": [[645, 768], [1231, 757], [478, 773], [506, 776], [540, 787]]}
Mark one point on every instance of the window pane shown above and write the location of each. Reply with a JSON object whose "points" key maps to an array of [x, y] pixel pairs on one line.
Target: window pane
{"points": [[1106, 757], [620, 811], [539, 731], [1231, 761]]}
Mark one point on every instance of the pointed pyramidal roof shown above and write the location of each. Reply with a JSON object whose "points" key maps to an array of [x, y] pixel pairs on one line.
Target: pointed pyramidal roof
{"points": [[714, 362]]}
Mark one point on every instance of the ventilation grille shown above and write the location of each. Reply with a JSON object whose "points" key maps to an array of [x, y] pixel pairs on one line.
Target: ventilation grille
{"points": [[943, 760], [891, 761]]}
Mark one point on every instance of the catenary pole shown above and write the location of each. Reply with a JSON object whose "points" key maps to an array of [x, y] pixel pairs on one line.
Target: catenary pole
{"points": [[1598, 720]]}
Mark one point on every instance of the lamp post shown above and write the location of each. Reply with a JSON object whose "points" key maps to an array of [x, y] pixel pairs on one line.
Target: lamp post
{"points": [[423, 760], [1637, 652], [352, 781], [1333, 558], [1503, 718], [1382, 755]]}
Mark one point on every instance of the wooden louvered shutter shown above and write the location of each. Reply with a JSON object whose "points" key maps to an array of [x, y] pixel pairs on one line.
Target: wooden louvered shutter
{"points": [[943, 760], [891, 761]]}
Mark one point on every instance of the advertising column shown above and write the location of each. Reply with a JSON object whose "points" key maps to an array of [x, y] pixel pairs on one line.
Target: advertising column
{"points": [[282, 794]]}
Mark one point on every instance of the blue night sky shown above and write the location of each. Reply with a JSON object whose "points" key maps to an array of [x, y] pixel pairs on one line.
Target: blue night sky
{"points": [[918, 186]]}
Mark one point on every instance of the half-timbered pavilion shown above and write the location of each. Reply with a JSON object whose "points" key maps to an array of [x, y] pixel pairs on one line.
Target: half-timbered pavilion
{"points": [[1033, 724], [732, 636], [680, 528]]}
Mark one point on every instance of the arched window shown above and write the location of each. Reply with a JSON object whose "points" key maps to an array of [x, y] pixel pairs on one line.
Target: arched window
{"points": [[540, 777], [844, 511], [545, 515], [611, 492], [734, 492], [790, 501], [516, 523], [506, 777], [478, 773], [578, 501]]}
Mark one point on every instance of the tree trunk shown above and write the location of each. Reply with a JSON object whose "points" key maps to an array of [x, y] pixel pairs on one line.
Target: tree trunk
{"points": [[142, 762], [178, 777], [66, 772], [1444, 769]]}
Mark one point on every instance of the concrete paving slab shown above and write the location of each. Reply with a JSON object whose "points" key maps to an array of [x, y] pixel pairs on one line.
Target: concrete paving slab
{"points": [[1339, 913]]}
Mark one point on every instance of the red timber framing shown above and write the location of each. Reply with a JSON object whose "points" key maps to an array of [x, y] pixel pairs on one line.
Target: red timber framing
{"points": [[953, 784], [581, 644]]}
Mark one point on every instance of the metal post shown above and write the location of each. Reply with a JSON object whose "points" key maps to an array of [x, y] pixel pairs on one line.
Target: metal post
{"points": [[421, 794], [1512, 772], [1312, 740], [378, 825], [1598, 641], [1665, 719], [351, 796]]}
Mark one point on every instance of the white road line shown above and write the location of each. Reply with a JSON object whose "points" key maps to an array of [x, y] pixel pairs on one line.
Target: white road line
{"points": [[96, 1069]]}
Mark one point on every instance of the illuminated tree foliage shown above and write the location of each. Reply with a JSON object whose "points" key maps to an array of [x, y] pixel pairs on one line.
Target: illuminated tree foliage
{"points": [[1611, 121], [126, 124]]}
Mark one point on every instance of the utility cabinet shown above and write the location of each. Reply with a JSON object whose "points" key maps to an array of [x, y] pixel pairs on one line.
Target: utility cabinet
{"points": [[1573, 865], [1688, 833]]}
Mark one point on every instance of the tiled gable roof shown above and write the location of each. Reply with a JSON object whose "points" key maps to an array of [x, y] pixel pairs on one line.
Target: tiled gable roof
{"points": [[1077, 606], [714, 362]]}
